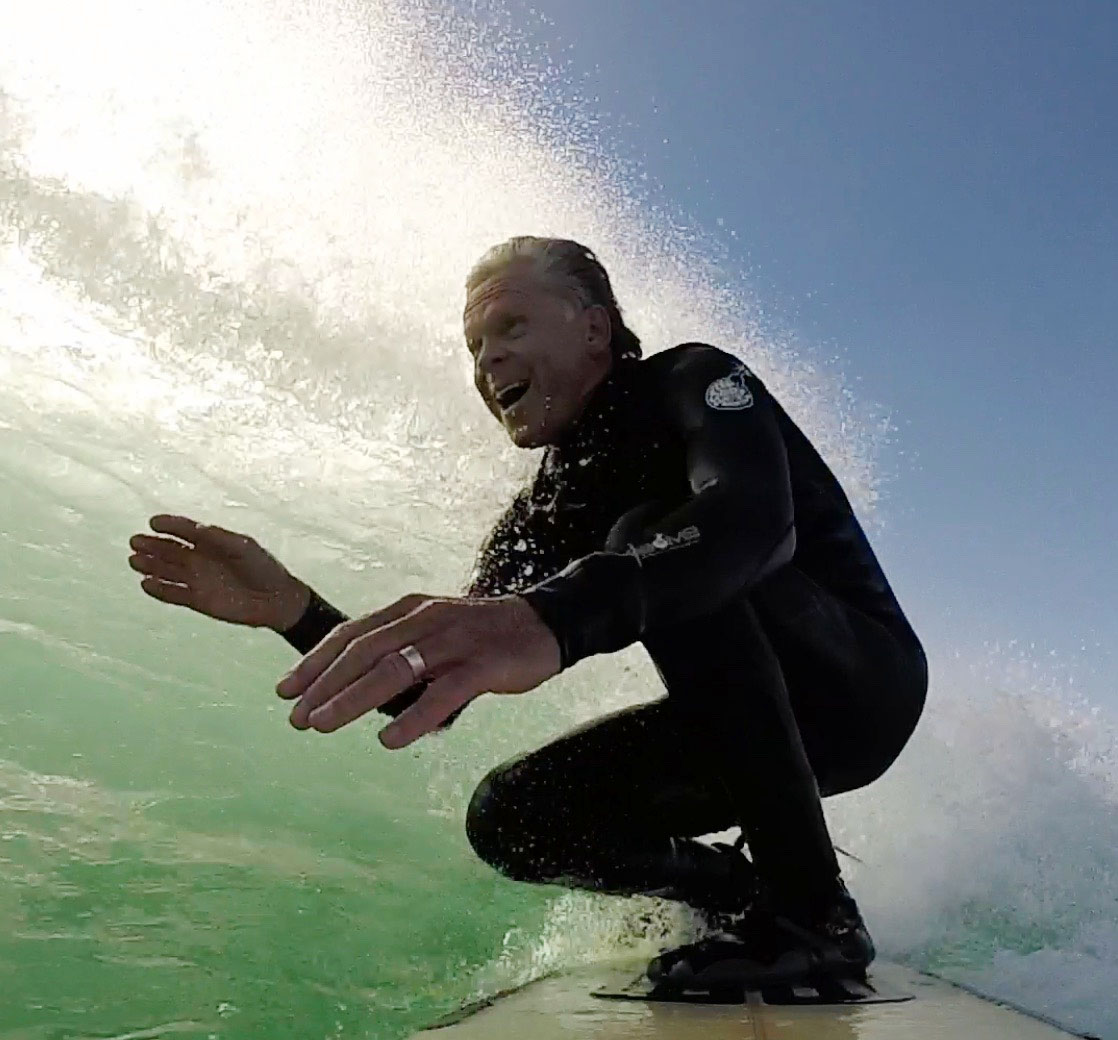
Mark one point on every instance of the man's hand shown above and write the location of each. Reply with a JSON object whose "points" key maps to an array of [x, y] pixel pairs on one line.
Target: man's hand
{"points": [[470, 647]]}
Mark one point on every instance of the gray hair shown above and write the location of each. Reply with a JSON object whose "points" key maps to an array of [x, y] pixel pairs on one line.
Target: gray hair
{"points": [[561, 264]]}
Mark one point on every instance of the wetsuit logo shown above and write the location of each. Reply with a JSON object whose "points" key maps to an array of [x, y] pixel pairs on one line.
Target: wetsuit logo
{"points": [[663, 542], [729, 393]]}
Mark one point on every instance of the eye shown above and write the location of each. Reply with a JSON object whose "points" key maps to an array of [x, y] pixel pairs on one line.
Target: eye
{"points": [[512, 328]]}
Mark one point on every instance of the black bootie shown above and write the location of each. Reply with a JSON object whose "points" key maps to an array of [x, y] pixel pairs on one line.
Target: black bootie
{"points": [[771, 944]]}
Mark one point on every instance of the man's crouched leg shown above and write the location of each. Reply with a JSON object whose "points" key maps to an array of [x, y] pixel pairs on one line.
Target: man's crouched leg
{"points": [[531, 841]]}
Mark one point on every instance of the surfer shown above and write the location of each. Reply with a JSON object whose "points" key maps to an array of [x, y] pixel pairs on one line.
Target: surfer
{"points": [[676, 504]]}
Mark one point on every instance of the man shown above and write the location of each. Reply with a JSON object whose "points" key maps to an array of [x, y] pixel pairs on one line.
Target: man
{"points": [[676, 504]]}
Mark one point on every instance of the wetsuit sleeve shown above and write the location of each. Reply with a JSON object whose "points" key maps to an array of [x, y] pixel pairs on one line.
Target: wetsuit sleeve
{"points": [[318, 621], [734, 529]]}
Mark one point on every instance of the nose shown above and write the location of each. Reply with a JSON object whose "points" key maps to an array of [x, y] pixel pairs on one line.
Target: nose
{"points": [[490, 356]]}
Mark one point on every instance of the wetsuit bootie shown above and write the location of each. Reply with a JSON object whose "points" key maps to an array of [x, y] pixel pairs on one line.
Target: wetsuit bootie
{"points": [[764, 947]]}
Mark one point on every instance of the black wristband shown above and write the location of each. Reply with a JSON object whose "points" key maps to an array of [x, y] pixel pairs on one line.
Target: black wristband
{"points": [[318, 621]]}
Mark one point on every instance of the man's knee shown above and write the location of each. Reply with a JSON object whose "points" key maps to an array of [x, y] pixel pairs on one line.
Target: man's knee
{"points": [[482, 820], [494, 828]]}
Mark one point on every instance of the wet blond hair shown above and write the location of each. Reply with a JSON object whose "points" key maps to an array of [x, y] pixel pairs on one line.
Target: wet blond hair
{"points": [[561, 264]]}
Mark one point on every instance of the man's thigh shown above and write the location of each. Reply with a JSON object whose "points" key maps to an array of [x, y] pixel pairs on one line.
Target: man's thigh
{"points": [[856, 691], [636, 772]]}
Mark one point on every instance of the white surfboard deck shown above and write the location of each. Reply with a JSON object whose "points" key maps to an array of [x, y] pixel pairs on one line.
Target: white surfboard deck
{"points": [[560, 1007]]}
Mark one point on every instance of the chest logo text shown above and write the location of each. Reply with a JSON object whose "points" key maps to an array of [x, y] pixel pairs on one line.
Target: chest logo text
{"points": [[665, 542]]}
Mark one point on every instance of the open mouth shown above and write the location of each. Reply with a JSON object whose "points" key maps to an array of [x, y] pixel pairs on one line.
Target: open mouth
{"points": [[512, 393]]}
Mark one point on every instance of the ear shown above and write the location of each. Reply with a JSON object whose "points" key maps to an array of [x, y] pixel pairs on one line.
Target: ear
{"points": [[598, 329]]}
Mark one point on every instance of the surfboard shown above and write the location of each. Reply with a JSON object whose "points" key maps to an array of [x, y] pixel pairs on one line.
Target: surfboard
{"points": [[612, 1002]]}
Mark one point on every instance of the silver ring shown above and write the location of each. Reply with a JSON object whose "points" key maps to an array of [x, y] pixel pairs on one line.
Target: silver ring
{"points": [[415, 661]]}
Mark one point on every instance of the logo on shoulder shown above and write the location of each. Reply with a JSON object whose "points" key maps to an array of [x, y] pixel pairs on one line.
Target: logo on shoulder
{"points": [[730, 393]]}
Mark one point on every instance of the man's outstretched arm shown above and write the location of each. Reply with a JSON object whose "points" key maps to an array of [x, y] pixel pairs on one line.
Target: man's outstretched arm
{"points": [[735, 529]]}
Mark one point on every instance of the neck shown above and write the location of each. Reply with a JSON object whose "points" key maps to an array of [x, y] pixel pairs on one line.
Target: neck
{"points": [[600, 403]]}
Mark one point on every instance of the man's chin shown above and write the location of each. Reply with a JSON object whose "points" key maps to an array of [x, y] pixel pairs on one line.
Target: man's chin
{"points": [[527, 436], [526, 439]]}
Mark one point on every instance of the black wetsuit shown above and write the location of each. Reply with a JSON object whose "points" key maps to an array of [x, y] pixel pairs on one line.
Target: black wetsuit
{"points": [[686, 510]]}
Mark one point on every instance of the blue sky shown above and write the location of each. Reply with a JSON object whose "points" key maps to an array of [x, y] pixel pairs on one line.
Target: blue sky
{"points": [[928, 190]]}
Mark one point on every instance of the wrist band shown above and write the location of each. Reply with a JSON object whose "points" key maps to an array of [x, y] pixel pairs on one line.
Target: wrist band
{"points": [[317, 622]]}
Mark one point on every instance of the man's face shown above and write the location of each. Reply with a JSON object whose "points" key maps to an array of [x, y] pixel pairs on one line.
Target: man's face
{"points": [[537, 354]]}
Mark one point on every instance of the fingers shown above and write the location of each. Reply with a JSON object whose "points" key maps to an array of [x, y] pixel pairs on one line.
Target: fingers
{"points": [[179, 595], [198, 534], [326, 709], [161, 559], [367, 675], [169, 559], [164, 563], [322, 658], [442, 698], [180, 526]]}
